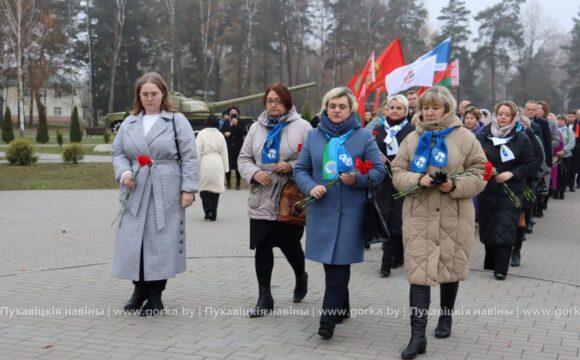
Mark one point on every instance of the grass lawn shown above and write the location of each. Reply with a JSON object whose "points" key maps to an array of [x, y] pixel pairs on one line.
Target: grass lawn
{"points": [[30, 134], [57, 177]]}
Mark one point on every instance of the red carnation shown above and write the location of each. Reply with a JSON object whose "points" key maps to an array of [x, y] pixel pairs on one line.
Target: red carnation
{"points": [[144, 160], [488, 171], [375, 133], [363, 166], [299, 147]]}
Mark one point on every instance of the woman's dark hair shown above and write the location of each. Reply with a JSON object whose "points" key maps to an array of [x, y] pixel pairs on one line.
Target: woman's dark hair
{"points": [[211, 121], [153, 78], [283, 93], [234, 108]]}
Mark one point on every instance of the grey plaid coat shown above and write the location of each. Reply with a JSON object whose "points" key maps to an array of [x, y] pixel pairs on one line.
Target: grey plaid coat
{"points": [[154, 219]]}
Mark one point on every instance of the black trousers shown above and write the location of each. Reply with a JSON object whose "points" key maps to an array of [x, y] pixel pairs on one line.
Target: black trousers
{"points": [[336, 303], [497, 259], [229, 178], [393, 252], [266, 235], [155, 285], [210, 202], [564, 174]]}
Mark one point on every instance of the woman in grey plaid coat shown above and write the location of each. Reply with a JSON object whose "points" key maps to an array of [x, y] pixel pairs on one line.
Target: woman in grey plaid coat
{"points": [[150, 240]]}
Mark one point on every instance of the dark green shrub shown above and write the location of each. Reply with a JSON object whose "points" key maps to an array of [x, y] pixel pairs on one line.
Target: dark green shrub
{"points": [[42, 136], [107, 136], [73, 153], [7, 129], [20, 152], [59, 138], [76, 133]]}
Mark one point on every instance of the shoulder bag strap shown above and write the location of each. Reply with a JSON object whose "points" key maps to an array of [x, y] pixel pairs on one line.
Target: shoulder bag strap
{"points": [[175, 138]]}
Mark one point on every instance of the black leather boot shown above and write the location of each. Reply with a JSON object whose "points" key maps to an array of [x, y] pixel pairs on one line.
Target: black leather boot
{"points": [[265, 302], [138, 298], [516, 256], [420, 298], [301, 288], [448, 296], [154, 305]]}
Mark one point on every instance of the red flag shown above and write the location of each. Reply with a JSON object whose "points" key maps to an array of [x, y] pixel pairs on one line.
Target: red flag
{"points": [[377, 100], [367, 75], [389, 60]]}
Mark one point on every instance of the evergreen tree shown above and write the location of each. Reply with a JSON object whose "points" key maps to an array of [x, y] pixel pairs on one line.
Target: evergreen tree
{"points": [[7, 129], [573, 65], [406, 18], [500, 32], [76, 133], [42, 136], [455, 23]]}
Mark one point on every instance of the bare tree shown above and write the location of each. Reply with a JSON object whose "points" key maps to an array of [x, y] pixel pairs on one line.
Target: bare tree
{"points": [[119, 23], [251, 9], [20, 17], [170, 7], [92, 113]]}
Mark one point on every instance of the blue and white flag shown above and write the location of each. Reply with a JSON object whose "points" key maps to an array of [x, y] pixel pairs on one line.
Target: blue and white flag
{"points": [[442, 52]]}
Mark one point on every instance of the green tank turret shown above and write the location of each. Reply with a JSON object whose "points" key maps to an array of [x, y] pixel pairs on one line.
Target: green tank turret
{"points": [[196, 110]]}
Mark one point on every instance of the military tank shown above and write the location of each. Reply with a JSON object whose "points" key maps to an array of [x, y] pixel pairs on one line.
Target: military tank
{"points": [[197, 110]]}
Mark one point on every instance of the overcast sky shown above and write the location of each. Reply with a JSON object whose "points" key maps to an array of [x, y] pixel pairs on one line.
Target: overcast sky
{"points": [[561, 11]]}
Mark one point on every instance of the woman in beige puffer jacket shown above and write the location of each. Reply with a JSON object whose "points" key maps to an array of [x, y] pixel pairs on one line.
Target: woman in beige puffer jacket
{"points": [[438, 224]]}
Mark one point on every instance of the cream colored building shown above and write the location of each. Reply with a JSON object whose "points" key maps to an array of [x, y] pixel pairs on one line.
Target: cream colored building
{"points": [[58, 101]]}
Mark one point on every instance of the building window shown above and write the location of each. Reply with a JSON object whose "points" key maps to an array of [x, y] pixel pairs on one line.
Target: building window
{"points": [[57, 93], [42, 93], [57, 111]]}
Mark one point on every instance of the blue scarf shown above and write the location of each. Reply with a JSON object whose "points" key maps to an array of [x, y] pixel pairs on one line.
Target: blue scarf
{"points": [[381, 120], [271, 147], [336, 159], [519, 127], [337, 134], [426, 155]]}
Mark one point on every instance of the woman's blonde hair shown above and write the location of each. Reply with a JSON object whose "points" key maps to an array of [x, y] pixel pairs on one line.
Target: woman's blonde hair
{"points": [[339, 92], [512, 105], [398, 98], [438, 95]]}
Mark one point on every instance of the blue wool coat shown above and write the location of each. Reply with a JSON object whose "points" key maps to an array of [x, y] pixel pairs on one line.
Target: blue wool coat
{"points": [[334, 223]]}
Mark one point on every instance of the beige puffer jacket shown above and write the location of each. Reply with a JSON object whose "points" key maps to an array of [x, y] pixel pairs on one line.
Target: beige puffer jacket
{"points": [[263, 201], [438, 228]]}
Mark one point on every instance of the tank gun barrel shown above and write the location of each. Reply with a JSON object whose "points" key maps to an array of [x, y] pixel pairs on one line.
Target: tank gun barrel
{"points": [[218, 104]]}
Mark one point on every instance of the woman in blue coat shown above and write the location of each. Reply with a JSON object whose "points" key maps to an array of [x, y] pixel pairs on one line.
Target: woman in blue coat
{"points": [[334, 223]]}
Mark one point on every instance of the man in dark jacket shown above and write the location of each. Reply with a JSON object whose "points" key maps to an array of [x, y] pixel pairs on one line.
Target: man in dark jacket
{"points": [[530, 110], [234, 133]]}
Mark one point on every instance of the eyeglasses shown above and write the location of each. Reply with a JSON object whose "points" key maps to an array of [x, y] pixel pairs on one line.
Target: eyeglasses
{"points": [[273, 101], [152, 95]]}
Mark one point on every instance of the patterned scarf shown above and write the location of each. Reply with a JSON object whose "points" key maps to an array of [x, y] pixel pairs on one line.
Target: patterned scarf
{"points": [[426, 155], [391, 138]]}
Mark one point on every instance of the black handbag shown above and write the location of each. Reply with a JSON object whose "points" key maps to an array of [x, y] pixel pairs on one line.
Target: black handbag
{"points": [[375, 226]]}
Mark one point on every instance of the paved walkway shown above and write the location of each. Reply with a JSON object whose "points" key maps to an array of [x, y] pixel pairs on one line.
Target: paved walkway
{"points": [[58, 299]]}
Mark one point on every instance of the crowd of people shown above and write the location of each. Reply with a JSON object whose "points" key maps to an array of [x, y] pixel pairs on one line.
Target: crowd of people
{"points": [[438, 169]]}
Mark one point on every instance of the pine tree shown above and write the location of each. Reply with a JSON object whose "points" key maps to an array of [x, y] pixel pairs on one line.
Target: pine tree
{"points": [[7, 129], [455, 23], [42, 136], [76, 134], [500, 31], [573, 65], [406, 19]]}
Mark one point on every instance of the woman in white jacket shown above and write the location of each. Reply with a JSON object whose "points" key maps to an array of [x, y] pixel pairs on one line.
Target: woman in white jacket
{"points": [[213, 164]]}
